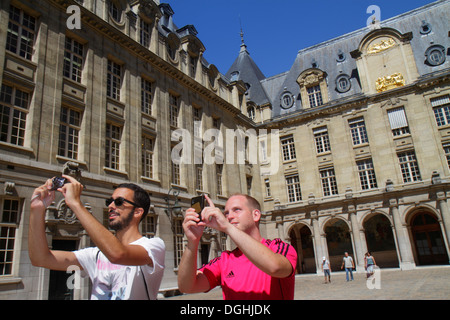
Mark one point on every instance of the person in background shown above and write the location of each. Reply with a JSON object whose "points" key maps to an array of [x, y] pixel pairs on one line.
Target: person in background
{"points": [[326, 268], [369, 263], [348, 263]]}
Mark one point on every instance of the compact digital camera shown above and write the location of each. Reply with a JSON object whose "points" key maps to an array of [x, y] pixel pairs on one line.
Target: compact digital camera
{"points": [[58, 182]]}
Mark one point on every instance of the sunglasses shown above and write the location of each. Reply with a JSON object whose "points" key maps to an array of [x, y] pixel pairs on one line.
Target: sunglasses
{"points": [[119, 202]]}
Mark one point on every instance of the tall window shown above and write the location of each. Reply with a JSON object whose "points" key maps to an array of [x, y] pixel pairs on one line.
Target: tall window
{"points": [[315, 96], [145, 34], [267, 185], [8, 226], [409, 166], [69, 128], [149, 225], [329, 184], [446, 147], [112, 150], [173, 110], [293, 188], [358, 131], [146, 96], [176, 172], [197, 116], [249, 180], [13, 114], [219, 172], [251, 112], [114, 11], [73, 60], [367, 174], [199, 177], [398, 121], [113, 80], [288, 148], [441, 108], [193, 66], [147, 156], [178, 241], [322, 140], [21, 33]]}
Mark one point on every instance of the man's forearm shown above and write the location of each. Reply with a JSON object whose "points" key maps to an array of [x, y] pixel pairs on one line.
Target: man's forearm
{"points": [[37, 241], [111, 247], [187, 270], [261, 256]]}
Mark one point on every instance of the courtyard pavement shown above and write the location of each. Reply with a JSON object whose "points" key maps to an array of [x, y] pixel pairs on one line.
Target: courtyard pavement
{"points": [[422, 283]]}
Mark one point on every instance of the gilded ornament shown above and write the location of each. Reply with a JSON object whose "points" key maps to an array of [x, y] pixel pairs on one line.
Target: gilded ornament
{"points": [[383, 45], [390, 82]]}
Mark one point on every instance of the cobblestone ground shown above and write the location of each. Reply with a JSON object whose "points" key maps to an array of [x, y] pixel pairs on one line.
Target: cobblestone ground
{"points": [[422, 283]]}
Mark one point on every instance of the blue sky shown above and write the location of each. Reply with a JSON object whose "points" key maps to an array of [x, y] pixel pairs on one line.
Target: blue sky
{"points": [[275, 30]]}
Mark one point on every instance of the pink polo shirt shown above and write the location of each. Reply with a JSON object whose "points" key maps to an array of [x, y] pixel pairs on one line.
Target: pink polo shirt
{"points": [[242, 280]]}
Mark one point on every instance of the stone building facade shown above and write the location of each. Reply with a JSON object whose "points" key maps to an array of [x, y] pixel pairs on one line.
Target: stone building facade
{"points": [[349, 150], [364, 143], [109, 99]]}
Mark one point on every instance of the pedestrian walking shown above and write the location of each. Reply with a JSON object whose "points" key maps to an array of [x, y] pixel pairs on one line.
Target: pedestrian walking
{"points": [[369, 263], [326, 268], [348, 263]]}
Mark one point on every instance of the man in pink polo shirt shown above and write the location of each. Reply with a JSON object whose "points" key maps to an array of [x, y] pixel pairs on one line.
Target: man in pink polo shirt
{"points": [[256, 269]]}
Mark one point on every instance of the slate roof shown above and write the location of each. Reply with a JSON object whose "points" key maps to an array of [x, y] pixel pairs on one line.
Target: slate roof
{"points": [[245, 69], [327, 56]]}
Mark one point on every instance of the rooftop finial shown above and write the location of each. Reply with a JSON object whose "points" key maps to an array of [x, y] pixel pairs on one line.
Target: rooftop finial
{"points": [[242, 31]]}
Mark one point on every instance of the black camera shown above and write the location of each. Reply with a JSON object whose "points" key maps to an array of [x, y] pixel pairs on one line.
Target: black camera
{"points": [[58, 182], [198, 203]]}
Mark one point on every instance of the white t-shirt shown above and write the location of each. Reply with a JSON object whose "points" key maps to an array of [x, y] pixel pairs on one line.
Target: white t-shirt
{"points": [[348, 262], [119, 282]]}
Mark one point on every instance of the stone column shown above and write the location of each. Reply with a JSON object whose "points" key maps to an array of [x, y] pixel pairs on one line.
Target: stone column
{"points": [[403, 240], [319, 248], [445, 218], [359, 252]]}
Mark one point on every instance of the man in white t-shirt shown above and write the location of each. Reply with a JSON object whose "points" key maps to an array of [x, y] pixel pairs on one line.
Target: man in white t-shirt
{"points": [[349, 265], [125, 266]]}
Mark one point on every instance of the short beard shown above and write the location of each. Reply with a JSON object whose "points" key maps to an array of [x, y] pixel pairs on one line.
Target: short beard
{"points": [[120, 225]]}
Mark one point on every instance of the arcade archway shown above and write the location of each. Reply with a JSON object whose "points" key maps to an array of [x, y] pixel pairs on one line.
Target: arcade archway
{"points": [[301, 239], [380, 241], [428, 239], [338, 241]]}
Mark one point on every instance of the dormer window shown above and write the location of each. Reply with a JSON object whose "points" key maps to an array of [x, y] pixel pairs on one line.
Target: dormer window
{"points": [[313, 88], [435, 55], [425, 28], [251, 112], [315, 96], [114, 11], [343, 83]]}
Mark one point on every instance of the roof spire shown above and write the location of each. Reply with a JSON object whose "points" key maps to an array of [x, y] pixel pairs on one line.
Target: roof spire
{"points": [[243, 46], [242, 31]]}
